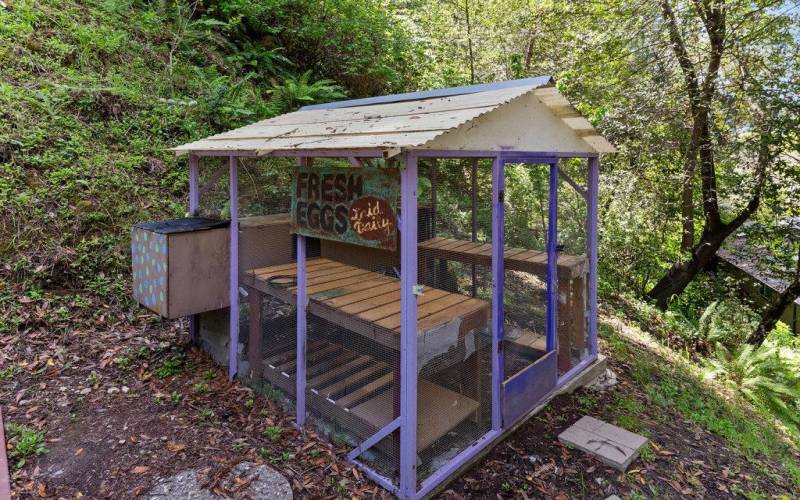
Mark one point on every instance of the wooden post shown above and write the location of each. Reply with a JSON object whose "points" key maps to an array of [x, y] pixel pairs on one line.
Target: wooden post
{"points": [[474, 179], [565, 326], [233, 348]]}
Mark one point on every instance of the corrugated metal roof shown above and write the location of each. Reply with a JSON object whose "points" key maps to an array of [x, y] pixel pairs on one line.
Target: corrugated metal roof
{"points": [[755, 260], [404, 122]]}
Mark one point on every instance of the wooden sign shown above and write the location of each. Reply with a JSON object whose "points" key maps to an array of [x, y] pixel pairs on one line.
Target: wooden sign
{"points": [[348, 204]]}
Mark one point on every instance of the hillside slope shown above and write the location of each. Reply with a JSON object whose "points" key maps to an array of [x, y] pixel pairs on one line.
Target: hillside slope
{"points": [[92, 94]]}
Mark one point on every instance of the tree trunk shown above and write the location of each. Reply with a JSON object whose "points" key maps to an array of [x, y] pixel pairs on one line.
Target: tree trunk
{"points": [[773, 313], [683, 272], [469, 45], [776, 308]]}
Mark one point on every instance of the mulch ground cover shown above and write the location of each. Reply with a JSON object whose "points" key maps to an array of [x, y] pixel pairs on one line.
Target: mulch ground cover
{"points": [[126, 404]]}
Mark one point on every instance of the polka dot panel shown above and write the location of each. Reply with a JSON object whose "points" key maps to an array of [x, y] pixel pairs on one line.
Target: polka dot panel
{"points": [[149, 257]]}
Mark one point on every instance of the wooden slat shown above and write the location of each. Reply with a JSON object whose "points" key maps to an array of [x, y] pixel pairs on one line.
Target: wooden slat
{"points": [[338, 359], [365, 391], [285, 268], [369, 291], [435, 243], [311, 357], [393, 322], [319, 273], [342, 275], [393, 308], [357, 379], [333, 285], [454, 245], [373, 302], [324, 378], [458, 310]]}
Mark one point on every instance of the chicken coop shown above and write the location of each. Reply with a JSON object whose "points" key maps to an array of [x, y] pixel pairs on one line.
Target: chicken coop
{"points": [[415, 273]]}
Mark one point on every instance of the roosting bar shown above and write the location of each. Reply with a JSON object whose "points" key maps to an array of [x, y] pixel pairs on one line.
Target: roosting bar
{"points": [[426, 276]]}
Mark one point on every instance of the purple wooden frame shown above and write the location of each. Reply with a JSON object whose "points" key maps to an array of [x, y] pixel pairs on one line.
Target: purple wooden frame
{"points": [[233, 324], [498, 280], [593, 193], [302, 303], [408, 326], [194, 211], [552, 261], [408, 258]]}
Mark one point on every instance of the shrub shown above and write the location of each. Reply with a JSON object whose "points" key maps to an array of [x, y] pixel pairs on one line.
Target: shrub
{"points": [[766, 375]]}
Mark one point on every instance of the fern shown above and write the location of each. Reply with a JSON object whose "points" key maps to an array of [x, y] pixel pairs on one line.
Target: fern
{"points": [[767, 376], [299, 91]]}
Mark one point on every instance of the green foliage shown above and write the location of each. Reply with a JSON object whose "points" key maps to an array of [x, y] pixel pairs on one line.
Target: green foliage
{"points": [[273, 432], [295, 92], [24, 443], [170, 367], [767, 375]]}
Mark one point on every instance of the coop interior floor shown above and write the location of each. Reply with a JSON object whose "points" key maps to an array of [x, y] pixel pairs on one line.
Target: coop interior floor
{"points": [[346, 384]]}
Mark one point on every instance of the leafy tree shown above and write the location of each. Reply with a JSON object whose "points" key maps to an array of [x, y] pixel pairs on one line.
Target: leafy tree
{"points": [[725, 24]]}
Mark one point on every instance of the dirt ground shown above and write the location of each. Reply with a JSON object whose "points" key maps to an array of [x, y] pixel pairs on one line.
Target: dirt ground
{"points": [[132, 402]]}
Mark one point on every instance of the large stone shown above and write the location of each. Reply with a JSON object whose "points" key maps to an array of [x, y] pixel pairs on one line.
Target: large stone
{"points": [[610, 444], [264, 483], [183, 485]]}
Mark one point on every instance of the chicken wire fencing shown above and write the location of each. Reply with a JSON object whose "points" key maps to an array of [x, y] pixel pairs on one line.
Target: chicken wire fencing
{"points": [[454, 389], [353, 314]]}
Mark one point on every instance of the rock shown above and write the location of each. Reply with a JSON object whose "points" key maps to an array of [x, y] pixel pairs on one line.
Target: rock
{"points": [[265, 483], [604, 382], [182, 485]]}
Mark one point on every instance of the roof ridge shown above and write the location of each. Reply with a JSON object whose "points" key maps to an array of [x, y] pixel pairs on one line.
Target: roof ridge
{"points": [[538, 81]]}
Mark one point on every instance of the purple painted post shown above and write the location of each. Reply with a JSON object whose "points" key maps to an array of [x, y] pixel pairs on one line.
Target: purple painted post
{"points": [[552, 261], [194, 210], [594, 182], [498, 282], [301, 330], [194, 185], [233, 348], [408, 326]]}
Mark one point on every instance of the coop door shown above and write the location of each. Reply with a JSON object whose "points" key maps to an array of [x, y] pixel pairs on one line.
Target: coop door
{"points": [[530, 290]]}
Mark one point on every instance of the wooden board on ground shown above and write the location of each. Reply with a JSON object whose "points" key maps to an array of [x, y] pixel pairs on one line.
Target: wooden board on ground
{"points": [[439, 410]]}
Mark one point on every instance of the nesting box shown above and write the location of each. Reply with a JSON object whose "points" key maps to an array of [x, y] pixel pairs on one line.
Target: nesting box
{"points": [[181, 266]]}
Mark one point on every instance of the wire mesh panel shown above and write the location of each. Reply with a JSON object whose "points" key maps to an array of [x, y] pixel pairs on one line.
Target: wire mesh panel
{"points": [[454, 345], [573, 265], [268, 320], [353, 349], [526, 226]]}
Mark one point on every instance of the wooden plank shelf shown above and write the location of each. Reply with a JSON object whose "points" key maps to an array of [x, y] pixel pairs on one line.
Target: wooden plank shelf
{"points": [[366, 302], [516, 259], [357, 391]]}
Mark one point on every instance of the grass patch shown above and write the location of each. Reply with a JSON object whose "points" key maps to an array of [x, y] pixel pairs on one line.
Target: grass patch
{"points": [[671, 381], [24, 443], [273, 432]]}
